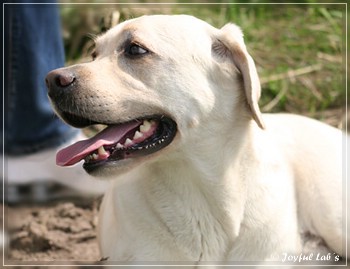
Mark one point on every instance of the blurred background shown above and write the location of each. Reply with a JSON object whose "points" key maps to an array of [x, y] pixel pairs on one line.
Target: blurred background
{"points": [[299, 49]]}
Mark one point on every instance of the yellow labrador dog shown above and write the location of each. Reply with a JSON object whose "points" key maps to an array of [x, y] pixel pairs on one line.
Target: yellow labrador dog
{"points": [[201, 174]]}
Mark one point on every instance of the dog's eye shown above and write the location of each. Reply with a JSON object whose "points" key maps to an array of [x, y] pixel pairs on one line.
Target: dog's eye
{"points": [[94, 55], [135, 50]]}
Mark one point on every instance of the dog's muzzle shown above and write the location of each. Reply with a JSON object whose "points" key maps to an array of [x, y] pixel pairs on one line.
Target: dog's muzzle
{"points": [[62, 90], [118, 141]]}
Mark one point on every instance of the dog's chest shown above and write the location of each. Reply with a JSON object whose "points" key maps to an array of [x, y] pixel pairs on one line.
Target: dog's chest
{"points": [[166, 222], [199, 233], [199, 225]]}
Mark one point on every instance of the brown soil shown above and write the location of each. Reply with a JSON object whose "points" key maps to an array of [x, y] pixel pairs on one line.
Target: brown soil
{"points": [[62, 232]]}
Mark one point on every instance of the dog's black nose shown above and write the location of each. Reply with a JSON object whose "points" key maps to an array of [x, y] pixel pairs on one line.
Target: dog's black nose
{"points": [[59, 79]]}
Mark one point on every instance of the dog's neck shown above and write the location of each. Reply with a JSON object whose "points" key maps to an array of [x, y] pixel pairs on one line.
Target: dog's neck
{"points": [[208, 205]]}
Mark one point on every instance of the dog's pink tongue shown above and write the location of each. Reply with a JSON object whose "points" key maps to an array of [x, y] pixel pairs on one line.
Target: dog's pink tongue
{"points": [[79, 150]]}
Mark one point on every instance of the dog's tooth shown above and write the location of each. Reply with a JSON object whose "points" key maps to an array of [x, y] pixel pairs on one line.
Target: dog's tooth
{"points": [[145, 127], [119, 146], [102, 152], [95, 156], [128, 142], [137, 135]]}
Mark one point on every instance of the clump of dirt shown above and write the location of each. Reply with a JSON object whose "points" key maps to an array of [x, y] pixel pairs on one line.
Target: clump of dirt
{"points": [[61, 232]]}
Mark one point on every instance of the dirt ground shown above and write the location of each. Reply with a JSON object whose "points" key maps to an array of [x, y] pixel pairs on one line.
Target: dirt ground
{"points": [[62, 231]]}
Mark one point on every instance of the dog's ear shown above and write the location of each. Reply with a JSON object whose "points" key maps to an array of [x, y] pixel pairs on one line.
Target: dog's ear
{"points": [[229, 43]]}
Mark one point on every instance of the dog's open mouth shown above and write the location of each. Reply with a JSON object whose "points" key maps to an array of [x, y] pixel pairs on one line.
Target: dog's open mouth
{"points": [[132, 139]]}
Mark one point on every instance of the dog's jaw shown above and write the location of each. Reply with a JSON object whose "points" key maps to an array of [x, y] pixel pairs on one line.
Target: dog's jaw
{"points": [[132, 141]]}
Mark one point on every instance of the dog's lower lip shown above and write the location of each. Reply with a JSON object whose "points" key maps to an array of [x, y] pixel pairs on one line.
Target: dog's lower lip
{"points": [[76, 121], [163, 136]]}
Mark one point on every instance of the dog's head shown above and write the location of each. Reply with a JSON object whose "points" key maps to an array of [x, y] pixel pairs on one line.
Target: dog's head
{"points": [[153, 81]]}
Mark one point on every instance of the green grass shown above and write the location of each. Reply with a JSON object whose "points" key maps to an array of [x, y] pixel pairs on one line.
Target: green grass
{"points": [[282, 39]]}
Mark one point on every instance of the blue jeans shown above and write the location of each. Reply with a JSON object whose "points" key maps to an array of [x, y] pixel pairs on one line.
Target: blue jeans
{"points": [[33, 47]]}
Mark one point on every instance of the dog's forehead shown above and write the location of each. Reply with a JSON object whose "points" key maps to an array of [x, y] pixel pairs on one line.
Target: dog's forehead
{"points": [[151, 29]]}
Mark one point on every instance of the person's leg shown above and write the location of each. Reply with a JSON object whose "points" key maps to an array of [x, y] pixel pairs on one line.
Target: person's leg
{"points": [[33, 46]]}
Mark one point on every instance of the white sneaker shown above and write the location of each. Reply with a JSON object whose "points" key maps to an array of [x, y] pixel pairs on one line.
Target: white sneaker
{"points": [[40, 170]]}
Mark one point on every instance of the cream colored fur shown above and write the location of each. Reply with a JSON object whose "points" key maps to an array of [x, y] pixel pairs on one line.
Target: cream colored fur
{"points": [[235, 184]]}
